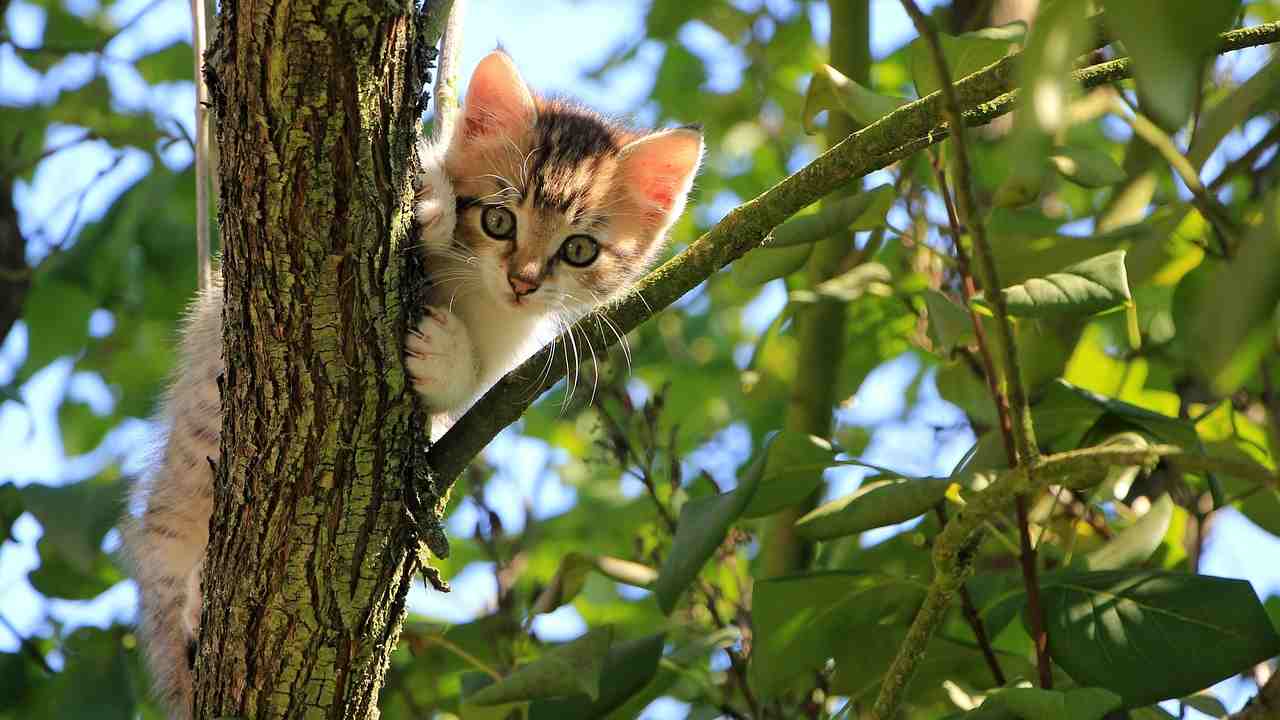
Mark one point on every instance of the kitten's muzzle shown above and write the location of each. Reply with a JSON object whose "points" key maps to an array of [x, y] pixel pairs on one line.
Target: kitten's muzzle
{"points": [[522, 285]]}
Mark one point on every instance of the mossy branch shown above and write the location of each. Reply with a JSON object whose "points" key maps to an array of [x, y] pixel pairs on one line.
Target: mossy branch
{"points": [[987, 94], [954, 546]]}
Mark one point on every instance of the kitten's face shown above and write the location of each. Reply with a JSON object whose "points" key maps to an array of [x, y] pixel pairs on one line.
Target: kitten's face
{"points": [[560, 209]]}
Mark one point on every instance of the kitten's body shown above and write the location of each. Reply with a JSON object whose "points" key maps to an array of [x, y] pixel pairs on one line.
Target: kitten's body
{"points": [[556, 211]]}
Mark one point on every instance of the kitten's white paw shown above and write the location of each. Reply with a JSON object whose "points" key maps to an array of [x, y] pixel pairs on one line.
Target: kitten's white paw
{"points": [[440, 361], [192, 603], [434, 205]]}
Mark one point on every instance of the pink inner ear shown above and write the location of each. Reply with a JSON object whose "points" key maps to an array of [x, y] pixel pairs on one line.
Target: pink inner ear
{"points": [[497, 100], [660, 184], [660, 168]]}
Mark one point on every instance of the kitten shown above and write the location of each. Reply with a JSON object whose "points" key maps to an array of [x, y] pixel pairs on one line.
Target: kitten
{"points": [[532, 214]]}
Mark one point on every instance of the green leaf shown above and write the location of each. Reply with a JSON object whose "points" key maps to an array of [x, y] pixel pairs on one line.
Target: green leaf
{"points": [[959, 385], [767, 263], [171, 64], [875, 504], [863, 211], [628, 668], [1231, 320], [68, 30], [57, 318], [571, 577], [1136, 543], [10, 508], [702, 527], [793, 463], [1129, 630], [1169, 48], [1065, 413], [82, 429], [830, 90], [949, 323], [22, 131], [1085, 288], [568, 581], [75, 518], [1207, 704], [1231, 112], [95, 682], [965, 54], [91, 107], [61, 577], [850, 285], [570, 669], [802, 620], [1086, 166], [1036, 704]]}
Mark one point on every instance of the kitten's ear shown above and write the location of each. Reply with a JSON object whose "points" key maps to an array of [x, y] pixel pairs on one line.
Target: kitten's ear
{"points": [[498, 102], [658, 172]]}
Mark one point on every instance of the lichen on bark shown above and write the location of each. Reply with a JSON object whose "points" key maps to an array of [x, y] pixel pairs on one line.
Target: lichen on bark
{"points": [[311, 557]]}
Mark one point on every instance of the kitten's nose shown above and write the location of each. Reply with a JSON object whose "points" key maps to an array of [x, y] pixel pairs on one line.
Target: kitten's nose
{"points": [[522, 286]]}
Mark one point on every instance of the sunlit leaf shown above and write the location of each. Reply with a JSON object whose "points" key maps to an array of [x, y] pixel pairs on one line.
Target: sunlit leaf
{"points": [[849, 285], [1135, 543], [767, 263], [830, 90], [1110, 629], [876, 504], [862, 211], [1085, 288], [965, 54], [1037, 704]]}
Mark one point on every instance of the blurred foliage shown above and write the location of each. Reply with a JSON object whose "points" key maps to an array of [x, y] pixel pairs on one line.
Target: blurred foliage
{"points": [[1143, 314]]}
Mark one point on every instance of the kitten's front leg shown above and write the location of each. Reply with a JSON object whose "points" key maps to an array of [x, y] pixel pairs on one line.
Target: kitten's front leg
{"points": [[441, 361], [434, 203]]}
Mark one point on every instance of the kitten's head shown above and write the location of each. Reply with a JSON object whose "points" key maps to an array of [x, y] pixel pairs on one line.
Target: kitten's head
{"points": [[560, 208]]}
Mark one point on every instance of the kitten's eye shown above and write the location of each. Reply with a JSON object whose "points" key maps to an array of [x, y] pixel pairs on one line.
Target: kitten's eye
{"points": [[498, 222], [580, 250]]}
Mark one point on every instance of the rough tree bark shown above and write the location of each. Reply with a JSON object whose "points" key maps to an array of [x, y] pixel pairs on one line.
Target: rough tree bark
{"points": [[310, 558]]}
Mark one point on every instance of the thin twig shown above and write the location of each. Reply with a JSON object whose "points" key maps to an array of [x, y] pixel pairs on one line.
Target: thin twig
{"points": [[1203, 201], [1023, 449], [1265, 705], [204, 266], [446, 89], [1245, 162], [975, 620]]}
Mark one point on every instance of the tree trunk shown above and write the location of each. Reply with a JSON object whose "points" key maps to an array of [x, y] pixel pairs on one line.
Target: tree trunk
{"points": [[309, 558]]}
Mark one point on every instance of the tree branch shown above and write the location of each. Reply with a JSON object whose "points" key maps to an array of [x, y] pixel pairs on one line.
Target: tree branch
{"points": [[894, 137], [446, 89], [954, 547], [1265, 705]]}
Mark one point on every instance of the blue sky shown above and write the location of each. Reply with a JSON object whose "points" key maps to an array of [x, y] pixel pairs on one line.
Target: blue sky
{"points": [[553, 42]]}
